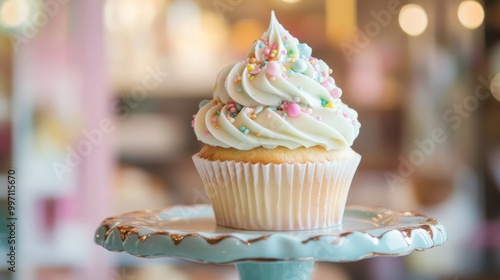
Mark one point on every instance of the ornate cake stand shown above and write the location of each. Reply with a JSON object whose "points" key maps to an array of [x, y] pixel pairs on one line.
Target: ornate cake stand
{"points": [[190, 233]]}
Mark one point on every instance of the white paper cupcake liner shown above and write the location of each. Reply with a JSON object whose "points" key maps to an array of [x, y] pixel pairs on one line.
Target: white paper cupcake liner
{"points": [[277, 196]]}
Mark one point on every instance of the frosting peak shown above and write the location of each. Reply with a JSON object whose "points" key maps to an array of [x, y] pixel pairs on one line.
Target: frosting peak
{"points": [[278, 95]]}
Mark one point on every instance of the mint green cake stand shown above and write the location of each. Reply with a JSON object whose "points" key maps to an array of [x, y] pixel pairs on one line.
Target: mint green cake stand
{"points": [[190, 233]]}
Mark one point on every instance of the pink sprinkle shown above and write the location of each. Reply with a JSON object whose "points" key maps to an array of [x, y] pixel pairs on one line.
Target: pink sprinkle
{"points": [[323, 73], [232, 110], [272, 78], [336, 93], [293, 110], [214, 119], [283, 52], [207, 134], [192, 123], [286, 37], [230, 105], [235, 80], [353, 122], [268, 116], [275, 46], [318, 118], [345, 115], [231, 120], [273, 68], [267, 50], [296, 99], [309, 111]]}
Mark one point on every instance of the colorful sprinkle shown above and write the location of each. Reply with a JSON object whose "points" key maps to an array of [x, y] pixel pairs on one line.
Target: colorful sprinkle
{"points": [[296, 99], [273, 68], [336, 93], [253, 116], [299, 66], [272, 78], [239, 88], [293, 110], [258, 109], [323, 102], [207, 133], [309, 111], [258, 134], [330, 105], [268, 116], [203, 103], [215, 101], [318, 118]]}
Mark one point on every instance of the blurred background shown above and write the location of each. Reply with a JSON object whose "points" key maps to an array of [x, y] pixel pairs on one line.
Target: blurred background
{"points": [[96, 99]]}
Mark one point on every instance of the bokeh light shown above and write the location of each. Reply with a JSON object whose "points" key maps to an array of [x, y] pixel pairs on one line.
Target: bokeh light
{"points": [[14, 12], [413, 19], [471, 14]]}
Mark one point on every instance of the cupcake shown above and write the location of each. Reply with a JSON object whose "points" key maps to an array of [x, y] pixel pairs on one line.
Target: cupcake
{"points": [[277, 139]]}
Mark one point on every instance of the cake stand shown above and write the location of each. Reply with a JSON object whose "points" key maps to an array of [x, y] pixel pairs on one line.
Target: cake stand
{"points": [[190, 233]]}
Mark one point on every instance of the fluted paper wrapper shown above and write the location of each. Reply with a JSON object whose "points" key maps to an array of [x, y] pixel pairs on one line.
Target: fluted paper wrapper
{"points": [[295, 196]]}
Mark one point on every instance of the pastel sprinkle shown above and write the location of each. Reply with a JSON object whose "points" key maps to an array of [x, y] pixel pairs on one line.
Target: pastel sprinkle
{"points": [[309, 111], [258, 109], [353, 122], [336, 93], [289, 72], [215, 101], [214, 119], [239, 107], [329, 105], [261, 45], [203, 103], [268, 116], [272, 78], [242, 128], [239, 88], [246, 131], [296, 99], [293, 110], [284, 115], [323, 102], [258, 134], [253, 116], [318, 118], [299, 66], [207, 133]]}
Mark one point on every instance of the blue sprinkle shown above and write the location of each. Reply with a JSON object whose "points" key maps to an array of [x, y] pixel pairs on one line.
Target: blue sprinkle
{"points": [[284, 115], [239, 88], [239, 107], [203, 103], [261, 45], [242, 128], [246, 131]]}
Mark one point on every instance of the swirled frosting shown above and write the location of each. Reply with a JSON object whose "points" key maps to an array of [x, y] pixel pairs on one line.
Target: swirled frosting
{"points": [[279, 95]]}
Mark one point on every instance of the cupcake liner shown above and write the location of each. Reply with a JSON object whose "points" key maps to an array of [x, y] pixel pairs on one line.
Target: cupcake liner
{"points": [[296, 196]]}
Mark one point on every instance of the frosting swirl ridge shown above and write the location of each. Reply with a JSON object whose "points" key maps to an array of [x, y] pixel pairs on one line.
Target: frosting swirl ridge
{"points": [[279, 95]]}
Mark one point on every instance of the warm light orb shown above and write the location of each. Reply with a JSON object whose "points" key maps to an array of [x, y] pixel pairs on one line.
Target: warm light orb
{"points": [[120, 14], [291, 1], [471, 14], [14, 12], [413, 19]]}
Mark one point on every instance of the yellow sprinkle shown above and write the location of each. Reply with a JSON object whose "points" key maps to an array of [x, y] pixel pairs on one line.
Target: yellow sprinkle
{"points": [[272, 55], [274, 51], [250, 67], [215, 86], [252, 77], [258, 134], [253, 60], [288, 67], [330, 105], [330, 71]]}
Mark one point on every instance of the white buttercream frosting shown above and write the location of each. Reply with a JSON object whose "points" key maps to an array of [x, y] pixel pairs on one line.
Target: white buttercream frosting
{"points": [[279, 95]]}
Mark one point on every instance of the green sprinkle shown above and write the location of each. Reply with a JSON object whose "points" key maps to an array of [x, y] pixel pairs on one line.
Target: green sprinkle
{"points": [[323, 102]]}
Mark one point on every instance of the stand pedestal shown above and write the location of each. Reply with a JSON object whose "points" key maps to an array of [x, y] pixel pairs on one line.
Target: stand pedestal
{"points": [[190, 233]]}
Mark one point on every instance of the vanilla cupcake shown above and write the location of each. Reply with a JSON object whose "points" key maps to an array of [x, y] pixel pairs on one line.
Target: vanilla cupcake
{"points": [[278, 137]]}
